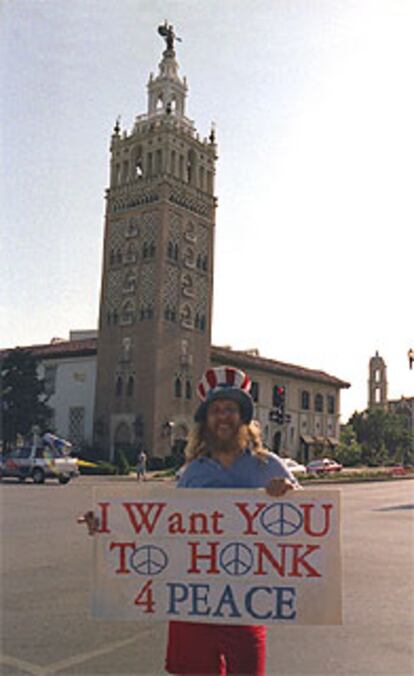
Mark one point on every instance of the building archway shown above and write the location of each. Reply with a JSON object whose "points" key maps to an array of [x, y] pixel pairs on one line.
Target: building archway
{"points": [[122, 437], [180, 442], [277, 440]]}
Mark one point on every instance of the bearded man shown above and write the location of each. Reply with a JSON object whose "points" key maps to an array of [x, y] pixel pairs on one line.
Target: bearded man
{"points": [[225, 451]]}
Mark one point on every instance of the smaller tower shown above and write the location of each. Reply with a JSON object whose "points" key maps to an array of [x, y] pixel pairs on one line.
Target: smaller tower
{"points": [[377, 383]]}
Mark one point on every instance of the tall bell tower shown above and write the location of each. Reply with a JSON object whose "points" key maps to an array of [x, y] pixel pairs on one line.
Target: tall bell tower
{"points": [[157, 275], [377, 383]]}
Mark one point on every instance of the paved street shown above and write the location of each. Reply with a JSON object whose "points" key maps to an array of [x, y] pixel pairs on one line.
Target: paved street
{"points": [[46, 581]]}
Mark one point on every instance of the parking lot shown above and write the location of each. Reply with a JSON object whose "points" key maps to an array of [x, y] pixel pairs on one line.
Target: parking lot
{"points": [[46, 582]]}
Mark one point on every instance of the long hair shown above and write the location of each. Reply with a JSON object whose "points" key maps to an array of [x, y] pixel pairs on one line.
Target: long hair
{"points": [[249, 436]]}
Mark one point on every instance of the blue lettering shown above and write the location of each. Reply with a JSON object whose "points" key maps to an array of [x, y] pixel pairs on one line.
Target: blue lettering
{"points": [[178, 594], [249, 603], [285, 596], [198, 597], [227, 599]]}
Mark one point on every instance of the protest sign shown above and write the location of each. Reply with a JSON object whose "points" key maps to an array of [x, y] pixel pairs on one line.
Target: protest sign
{"points": [[233, 557]]}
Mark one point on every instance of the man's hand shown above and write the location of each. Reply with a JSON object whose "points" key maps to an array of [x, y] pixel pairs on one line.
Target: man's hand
{"points": [[276, 488], [92, 522]]}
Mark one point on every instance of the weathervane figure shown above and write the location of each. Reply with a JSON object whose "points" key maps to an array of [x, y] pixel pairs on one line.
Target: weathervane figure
{"points": [[167, 32], [411, 358]]}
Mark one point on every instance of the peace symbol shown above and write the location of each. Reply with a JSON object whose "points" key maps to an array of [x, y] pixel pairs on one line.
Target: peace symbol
{"points": [[236, 559], [281, 518], [148, 560]]}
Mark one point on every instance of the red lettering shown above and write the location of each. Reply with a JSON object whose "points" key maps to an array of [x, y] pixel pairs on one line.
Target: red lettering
{"points": [[144, 511], [307, 516], [211, 556], [215, 519], [202, 520], [300, 560], [103, 517], [250, 517], [122, 555], [145, 598], [263, 552]]}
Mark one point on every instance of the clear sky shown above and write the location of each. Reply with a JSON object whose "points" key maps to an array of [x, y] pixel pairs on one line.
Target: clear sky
{"points": [[313, 102]]}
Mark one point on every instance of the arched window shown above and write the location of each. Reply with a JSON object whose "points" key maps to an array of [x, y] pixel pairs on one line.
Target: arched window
{"points": [[186, 316], [331, 404], [119, 256], [125, 171], [149, 164], [138, 169], [319, 403], [173, 162], [170, 251], [152, 250], [118, 386], [130, 255], [129, 283], [158, 162], [145, 250], [130, 386], [305, 400], [115, 317], [191, 166], [201, 178], [176, 252], [128, 312], [112, 257], [177, 388], [188, 389], [202, 322]]}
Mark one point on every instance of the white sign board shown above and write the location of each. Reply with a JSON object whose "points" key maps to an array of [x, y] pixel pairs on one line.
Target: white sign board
{"points": [[233, 557]]}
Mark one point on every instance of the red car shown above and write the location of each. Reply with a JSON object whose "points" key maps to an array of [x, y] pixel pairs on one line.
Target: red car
{"points": [[322, 465]]}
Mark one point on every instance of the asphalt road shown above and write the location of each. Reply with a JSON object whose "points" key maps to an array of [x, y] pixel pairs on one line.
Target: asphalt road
{"points": [[46, 580]]}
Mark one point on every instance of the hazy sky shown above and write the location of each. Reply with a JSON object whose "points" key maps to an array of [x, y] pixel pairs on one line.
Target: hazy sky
{"points": [[314, 106]]}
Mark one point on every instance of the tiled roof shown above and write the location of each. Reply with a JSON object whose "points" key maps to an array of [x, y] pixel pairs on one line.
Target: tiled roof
{"points": [[65, 348], [88, 346], [243, 359]]}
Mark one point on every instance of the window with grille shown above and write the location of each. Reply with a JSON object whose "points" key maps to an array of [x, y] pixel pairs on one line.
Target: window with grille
{"points": [[254, 391], [76, 424], [50, 379]]}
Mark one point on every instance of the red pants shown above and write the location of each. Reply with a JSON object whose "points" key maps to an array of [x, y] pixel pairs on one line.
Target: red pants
{"points": [[216, 649]]}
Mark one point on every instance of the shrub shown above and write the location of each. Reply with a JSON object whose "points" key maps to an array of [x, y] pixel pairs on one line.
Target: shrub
{"points": [[122, 464]]}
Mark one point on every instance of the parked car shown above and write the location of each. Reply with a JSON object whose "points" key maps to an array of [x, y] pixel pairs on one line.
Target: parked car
{"points": [[322, 465], [293, 466], [39, 463]]}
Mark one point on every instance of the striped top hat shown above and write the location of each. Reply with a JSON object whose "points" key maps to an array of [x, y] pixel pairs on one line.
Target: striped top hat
{"points": [[225, 382]]}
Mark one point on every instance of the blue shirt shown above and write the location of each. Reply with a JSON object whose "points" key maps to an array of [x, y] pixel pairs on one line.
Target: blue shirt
{"points": [[247, 471]]}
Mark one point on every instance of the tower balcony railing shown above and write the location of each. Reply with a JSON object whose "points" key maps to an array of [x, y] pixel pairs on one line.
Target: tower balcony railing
{"points": [[171, 120]]}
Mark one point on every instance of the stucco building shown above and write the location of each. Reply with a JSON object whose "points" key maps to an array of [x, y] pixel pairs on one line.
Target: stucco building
{"points": [[312, 399]]}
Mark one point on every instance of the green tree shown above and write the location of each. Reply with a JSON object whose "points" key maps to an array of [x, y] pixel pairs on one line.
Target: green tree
{"points": [[349, 451], [384, 437], [23, 395]]}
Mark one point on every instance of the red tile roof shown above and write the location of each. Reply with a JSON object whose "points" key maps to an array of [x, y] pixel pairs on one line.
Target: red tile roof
{"points": [[244, 359], [88, 346]]}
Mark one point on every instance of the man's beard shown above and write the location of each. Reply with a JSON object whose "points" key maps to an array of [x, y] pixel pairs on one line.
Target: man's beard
{"points": [[238, 440]]}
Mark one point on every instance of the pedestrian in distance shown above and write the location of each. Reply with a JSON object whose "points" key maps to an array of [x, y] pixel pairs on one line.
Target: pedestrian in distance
{"points": [[224, 451], [141, 465]]}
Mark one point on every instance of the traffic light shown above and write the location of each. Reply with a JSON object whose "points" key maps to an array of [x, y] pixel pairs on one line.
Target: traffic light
{"points": [[279, 395]]}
